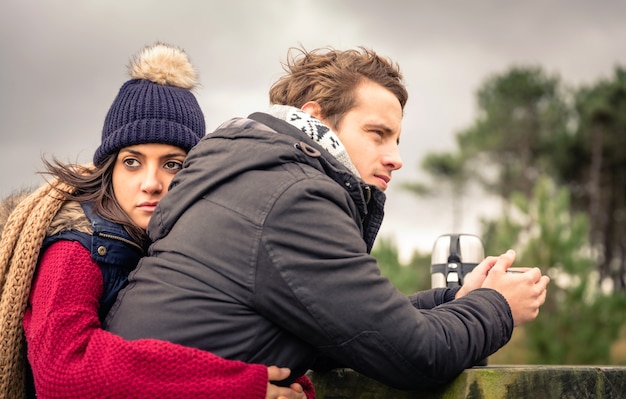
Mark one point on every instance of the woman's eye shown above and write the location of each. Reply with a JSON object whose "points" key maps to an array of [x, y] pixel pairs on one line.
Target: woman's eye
{"points": [[173, 165], [131, 162]]}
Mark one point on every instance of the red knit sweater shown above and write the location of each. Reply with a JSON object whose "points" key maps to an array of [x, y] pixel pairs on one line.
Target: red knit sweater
{"points": [[71, 356]]}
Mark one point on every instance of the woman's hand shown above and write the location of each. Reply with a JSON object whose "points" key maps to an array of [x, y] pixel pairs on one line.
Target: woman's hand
{"points": [[294, 391]]}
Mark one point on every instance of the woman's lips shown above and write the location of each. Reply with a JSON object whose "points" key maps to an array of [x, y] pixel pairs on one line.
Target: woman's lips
{"points": [[148, 206]]}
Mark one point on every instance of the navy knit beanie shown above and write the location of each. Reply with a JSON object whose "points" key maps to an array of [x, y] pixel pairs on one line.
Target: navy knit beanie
{"points": [[156, 105]]}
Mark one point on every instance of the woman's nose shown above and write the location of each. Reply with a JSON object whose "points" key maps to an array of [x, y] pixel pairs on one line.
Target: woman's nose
{"points": [[152, 183]]}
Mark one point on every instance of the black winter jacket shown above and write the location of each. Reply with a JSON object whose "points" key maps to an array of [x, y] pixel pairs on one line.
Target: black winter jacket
{"points": [[261, 253]]}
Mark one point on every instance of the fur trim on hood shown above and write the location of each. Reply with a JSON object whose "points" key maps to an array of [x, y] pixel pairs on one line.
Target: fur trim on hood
{"points": [[70, 217]]}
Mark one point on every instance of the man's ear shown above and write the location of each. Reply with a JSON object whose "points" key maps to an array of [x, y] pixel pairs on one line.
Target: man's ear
{"points": [[313, 108]]}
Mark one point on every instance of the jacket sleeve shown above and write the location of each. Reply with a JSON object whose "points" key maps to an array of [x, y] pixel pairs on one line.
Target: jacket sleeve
{"points": [[71, 356], [428, 299], [319, 262]]}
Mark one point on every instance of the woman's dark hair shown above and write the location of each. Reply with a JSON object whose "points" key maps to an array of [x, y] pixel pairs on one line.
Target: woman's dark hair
{"points": [[95, 184]]}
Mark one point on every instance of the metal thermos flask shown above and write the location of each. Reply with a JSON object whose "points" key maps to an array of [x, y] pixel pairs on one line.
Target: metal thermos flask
{"points": [[453, 257]]}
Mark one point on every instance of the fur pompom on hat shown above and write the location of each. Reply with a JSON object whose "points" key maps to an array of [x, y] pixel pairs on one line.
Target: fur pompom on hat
{"points": [[156, 106]]}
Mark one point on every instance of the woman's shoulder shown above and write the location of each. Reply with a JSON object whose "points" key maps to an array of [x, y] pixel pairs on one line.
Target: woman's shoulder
{"points": [[71, 216]]}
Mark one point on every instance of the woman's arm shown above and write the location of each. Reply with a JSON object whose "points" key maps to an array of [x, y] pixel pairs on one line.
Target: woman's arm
{"points": [[71, 356]]}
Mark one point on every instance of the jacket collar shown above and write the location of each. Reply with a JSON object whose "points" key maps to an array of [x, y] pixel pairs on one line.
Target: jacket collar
{"points": [[369, 199], [110, 242]]}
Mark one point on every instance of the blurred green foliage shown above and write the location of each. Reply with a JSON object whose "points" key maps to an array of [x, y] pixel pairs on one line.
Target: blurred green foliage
{"points": [[554, 156]]}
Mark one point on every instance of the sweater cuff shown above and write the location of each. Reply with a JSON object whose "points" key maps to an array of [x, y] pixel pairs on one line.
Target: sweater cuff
{"points": [[258, 386], [307, 386]]}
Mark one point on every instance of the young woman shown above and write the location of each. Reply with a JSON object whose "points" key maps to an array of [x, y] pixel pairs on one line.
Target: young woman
{"points": [[97, 237]]}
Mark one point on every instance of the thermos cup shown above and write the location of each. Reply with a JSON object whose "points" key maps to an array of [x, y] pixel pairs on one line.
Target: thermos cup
{"points": [[453, 257]]}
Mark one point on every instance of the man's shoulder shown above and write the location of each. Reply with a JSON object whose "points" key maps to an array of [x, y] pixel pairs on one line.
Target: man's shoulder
{"points": [[244, 124]]}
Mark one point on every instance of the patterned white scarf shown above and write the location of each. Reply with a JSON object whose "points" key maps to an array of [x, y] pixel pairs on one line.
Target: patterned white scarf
{"points": [[315, 130]]}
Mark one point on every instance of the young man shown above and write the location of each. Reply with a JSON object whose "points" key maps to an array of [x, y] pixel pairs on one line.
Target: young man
{"points": [[262, 253]]}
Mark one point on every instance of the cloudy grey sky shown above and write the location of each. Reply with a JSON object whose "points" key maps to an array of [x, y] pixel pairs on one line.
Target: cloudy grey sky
{"points": [[62, 62]]}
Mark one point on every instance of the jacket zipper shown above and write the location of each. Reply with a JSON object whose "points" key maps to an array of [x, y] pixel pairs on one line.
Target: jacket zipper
{"points": [[124, 240], [368, 195]]}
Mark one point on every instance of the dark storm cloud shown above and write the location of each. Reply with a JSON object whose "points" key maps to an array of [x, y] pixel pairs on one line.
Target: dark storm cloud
{"points": [[63, 62]]}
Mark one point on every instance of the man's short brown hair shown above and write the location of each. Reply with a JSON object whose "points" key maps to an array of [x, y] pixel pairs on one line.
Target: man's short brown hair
{"points": [[330, 77]]}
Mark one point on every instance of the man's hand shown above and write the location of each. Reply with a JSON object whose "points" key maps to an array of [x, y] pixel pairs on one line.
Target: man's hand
{"points": [[525, 290], [477, 276], [294, 391]]}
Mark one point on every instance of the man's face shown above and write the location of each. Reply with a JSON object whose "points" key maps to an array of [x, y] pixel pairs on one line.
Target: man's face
{"points": [[371, 133]]}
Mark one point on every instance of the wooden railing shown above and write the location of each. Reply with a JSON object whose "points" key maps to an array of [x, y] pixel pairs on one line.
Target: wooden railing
{"points": [[489, 382]]}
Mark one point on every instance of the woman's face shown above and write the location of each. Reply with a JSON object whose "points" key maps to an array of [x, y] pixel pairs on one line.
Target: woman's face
{"points": [[141, 176]]}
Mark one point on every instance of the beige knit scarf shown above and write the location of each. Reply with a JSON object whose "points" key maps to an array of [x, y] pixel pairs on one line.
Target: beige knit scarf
{"points": [[22, 237]]}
